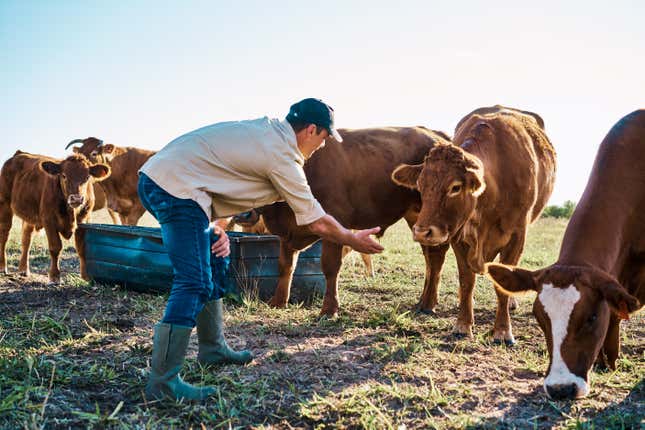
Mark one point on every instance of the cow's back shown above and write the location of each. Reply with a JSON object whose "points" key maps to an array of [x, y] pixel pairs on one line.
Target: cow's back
{"points": [[125, 167], [520, 163], [23, 183], [352, 179], [607, 228]]}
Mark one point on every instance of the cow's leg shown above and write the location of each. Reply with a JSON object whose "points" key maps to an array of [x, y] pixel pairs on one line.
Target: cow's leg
{"points": [[465, 317], [331, 260], [367, 261], [27, 234], [611, 346], [434, 256], [133, 216], [114, 216], [502, 331], [286, 265], [6, 217], [79, 243], [55, 246]]}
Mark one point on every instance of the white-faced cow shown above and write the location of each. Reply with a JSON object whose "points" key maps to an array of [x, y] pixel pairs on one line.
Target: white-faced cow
{"points": [[45, 192], [599, 277], [479, 195]]}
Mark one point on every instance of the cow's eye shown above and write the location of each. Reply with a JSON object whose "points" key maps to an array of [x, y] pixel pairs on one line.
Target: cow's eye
{"points": [[455, 189], [94, 153], [592, 319]]}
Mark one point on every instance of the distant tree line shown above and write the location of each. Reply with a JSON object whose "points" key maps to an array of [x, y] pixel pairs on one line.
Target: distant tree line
{"points": [[564, 211]]}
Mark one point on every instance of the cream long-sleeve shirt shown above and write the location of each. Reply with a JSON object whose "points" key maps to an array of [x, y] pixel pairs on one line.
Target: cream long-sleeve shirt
{"points": [[232, 167]]}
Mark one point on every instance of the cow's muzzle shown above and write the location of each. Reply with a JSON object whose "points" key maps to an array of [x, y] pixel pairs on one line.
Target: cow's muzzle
{"points": [[430, 236], [75, 200]]}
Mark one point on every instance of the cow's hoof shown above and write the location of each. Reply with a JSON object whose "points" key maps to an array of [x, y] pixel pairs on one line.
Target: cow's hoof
{"points": [[462, 331], [429, 312], [277, 303], [330, 314], [24, 273], [460, 336], [512, 303], [507, 342]]}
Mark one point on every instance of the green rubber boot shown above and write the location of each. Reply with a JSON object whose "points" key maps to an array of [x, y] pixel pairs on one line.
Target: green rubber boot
{"points": [[213, 348], [168, 351]]}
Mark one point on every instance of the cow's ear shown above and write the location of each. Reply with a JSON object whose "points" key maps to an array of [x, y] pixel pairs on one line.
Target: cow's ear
{"points": [[100, 171], [511, 280], [76, 150], [108, 148], [475, 181], [619, 300], [406, 175], [51, 167]]}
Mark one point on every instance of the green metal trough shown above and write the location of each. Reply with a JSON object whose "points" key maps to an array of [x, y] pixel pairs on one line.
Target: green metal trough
{"points": [[135, 258]]}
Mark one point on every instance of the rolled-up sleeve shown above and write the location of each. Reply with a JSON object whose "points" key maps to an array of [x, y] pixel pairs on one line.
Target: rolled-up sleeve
{"points": [[290, 181]]}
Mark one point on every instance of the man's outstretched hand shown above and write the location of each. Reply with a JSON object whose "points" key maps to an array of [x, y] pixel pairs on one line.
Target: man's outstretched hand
{"points": [[364, 243]]}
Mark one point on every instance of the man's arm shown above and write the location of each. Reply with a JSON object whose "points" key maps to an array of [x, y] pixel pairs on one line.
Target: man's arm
{"points": [[328, 228]]}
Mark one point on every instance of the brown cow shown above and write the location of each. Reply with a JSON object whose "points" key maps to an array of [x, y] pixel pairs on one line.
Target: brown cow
{"points": [[56, 195], [479, 195], [599, 277], [351, 180], [121, 187], [100, 202], [252, 222]]}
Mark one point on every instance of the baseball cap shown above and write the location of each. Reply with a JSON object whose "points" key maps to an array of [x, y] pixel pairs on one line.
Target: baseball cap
{"points": [[317, 112]]}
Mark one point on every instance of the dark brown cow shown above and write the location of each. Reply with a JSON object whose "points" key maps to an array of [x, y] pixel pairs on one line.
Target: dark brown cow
{"points": [[44, 192], [599, 277], [479, 195], [121, 187], [351, 180]]}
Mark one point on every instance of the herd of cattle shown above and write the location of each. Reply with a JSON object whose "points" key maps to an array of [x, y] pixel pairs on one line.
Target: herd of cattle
{"points": [[476, 193]]}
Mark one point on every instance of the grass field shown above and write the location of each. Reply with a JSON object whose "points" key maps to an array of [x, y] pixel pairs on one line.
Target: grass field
{"points": [[76, 355]]}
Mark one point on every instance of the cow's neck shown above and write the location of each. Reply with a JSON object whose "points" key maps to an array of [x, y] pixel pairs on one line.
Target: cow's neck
{"points": [[473, 231]]}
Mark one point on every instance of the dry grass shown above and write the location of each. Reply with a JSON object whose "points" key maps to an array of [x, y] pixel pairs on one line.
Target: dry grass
{"points": [[76, 355]]}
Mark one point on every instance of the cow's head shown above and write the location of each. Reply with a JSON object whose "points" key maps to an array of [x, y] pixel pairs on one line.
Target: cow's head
{"points": [[573, 307], [450, 180], [94, 149], [74, 174]]}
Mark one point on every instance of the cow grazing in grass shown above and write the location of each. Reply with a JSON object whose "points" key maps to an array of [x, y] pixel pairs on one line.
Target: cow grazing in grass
{"points": [[44, 192], [351, 180], [479, 195], [121, 187], [599, 277]]}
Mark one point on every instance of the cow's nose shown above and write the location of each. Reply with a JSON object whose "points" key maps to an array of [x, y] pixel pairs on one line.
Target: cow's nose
{"points": [[562, 391], [75, 200], [421, 234]]}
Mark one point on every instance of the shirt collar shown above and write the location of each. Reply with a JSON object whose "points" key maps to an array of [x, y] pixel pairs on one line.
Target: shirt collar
{"points": [[291, 138]]}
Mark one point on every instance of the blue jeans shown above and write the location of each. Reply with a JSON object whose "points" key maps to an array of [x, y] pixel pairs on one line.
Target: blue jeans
{"points": [[187, 238]]}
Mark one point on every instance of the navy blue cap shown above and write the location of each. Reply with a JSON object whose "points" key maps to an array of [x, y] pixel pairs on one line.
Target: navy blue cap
{"points": [[317, 112]]}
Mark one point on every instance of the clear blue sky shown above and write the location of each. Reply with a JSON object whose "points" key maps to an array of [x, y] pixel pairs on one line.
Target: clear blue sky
{"points": [[139, 73]]}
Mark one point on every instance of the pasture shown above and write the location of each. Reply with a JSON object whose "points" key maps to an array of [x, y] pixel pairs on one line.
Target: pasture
{"points": [[76, 355]]}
